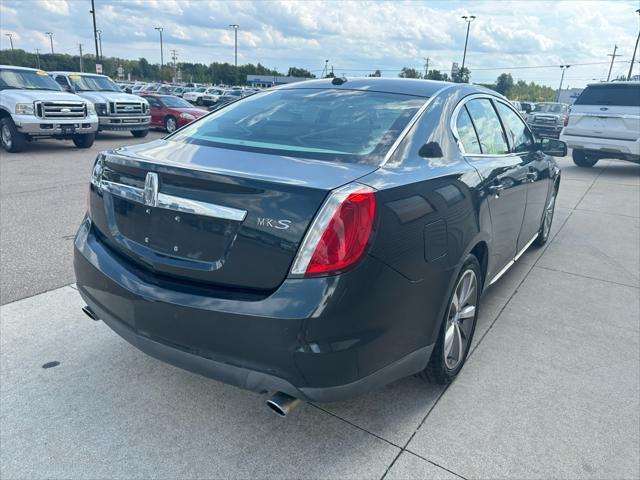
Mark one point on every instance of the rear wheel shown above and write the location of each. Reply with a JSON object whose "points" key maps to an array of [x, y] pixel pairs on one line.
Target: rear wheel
{"points": [[199, 101], [581, 159], [84, 141], [170, 124], [139, 133], [457, 328], [12, 140]]}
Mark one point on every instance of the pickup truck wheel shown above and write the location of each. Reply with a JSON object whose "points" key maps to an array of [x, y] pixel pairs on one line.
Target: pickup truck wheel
{"points": [[458, 326], [170, 123], [139, 133], [84, 141], [12, 140], [582, 160]]}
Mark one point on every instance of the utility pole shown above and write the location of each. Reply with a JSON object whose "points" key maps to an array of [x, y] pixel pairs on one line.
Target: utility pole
{"points": [[325, 70], [613, 57], [38, 58], [633, 58], [10, 35], [426, 67], [81, 65], [95, 32], [467, 19], [100, 41], [50, 40], [160, 30], [563, 67]]}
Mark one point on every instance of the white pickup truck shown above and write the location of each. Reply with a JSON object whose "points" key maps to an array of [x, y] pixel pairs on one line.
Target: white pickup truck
{"points": [[604, 122], [117, 110], [33, 106]]}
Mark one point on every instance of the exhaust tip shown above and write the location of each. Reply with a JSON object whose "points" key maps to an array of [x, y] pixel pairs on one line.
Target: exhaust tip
{"points": [[90, 313], [282, 404]]}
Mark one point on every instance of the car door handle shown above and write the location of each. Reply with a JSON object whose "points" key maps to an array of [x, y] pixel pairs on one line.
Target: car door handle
{"points": [[496, 189]]}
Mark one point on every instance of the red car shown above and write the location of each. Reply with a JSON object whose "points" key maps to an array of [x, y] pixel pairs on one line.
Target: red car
{"points": [[170, 113]]}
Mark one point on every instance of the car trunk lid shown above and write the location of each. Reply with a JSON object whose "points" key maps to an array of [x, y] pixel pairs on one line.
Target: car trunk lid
{"points": [[210, 215]]}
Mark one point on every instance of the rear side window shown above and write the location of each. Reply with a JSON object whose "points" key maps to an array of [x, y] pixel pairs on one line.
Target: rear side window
{"points": [[467, 133], [488, 127], [353, 126], [518, 133], [610, 94]]}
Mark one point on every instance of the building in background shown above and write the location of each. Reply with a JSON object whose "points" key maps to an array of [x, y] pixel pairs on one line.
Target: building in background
{"points": [[569, 95], [264, 81]]}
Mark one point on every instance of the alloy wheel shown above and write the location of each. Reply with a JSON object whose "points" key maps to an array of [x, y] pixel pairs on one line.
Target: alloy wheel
{"points": [[460, 319], [6, 137], [171, 125]]}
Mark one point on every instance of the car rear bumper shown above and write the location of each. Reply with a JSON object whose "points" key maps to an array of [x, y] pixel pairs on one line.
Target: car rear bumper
{"points": [[308, 339], [605, 147], [125, 123]]}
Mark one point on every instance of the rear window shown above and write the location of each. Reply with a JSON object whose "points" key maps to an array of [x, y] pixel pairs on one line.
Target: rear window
{"points": [[326, 124], [611, 94]]}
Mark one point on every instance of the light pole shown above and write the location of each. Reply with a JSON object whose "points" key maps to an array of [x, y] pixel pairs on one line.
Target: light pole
{"points": [[10, 35], [564, 68], [50, 40], [633, 58], [99, 32], [235, 31], [467, 19], [95, 34], [160, 30]]}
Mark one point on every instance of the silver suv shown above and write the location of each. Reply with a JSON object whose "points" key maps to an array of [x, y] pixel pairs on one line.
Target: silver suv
{"points": [[117, 110], [33, 106]]}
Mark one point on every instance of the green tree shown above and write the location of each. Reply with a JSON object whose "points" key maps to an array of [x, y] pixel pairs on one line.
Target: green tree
{"points": [[462, 75], [299, 72], [436, 75], [408, 72], [504, 84]]}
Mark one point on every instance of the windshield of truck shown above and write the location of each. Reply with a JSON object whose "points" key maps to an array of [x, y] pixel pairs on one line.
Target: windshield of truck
{"points": [[611, 94], [550, 108], [93, 83], [27, 80]]}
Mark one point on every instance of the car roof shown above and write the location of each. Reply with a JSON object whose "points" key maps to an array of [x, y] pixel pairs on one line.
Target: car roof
{"points": [[85, 74], [606, 84], [404, 86], [14, 67]]}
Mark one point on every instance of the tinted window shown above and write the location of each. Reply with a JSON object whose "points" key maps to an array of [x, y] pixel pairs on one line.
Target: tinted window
{"points": [[517, 132], [325, 124], [62, 81], [490, 134], [153, 101], [467, 133], [176, 102], [617, 95]]}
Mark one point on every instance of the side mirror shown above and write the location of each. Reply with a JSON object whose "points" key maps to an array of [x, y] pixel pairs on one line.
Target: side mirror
{"points": [[553, 147]]}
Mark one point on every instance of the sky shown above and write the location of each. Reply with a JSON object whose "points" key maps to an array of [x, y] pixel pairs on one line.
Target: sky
{"points": [[356, 37]]}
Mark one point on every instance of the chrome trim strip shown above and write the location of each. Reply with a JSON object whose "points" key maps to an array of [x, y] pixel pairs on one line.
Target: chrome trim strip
{"points": [[515, 259], [411, 123], [171, 202]]}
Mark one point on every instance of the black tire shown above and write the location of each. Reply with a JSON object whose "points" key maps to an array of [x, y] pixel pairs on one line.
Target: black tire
{"points": [[581, 159], [84, 141], [547, 220], [199, 101], [11, 139], [170, 123], [437, 370], [139, 133]]}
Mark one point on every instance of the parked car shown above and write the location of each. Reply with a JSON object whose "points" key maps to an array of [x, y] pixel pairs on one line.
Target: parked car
{"points": [[164, 90], [118, 111], [228, 97], [180, 91], [211, 96], [604, 122], [548, 118], [317, 240], [196, 95], [33, 106], [170, 112]]}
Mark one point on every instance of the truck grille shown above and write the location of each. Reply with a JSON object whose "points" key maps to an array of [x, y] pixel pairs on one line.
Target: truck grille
{"points": [[61, 110], [126, 108]]}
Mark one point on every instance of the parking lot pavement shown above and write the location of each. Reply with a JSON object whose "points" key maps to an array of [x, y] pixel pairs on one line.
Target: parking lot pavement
{"points": [[42, 201], [550, 390]]}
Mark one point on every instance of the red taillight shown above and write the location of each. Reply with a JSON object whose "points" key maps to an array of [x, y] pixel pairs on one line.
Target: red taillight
{"points": [[339, 235]]}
